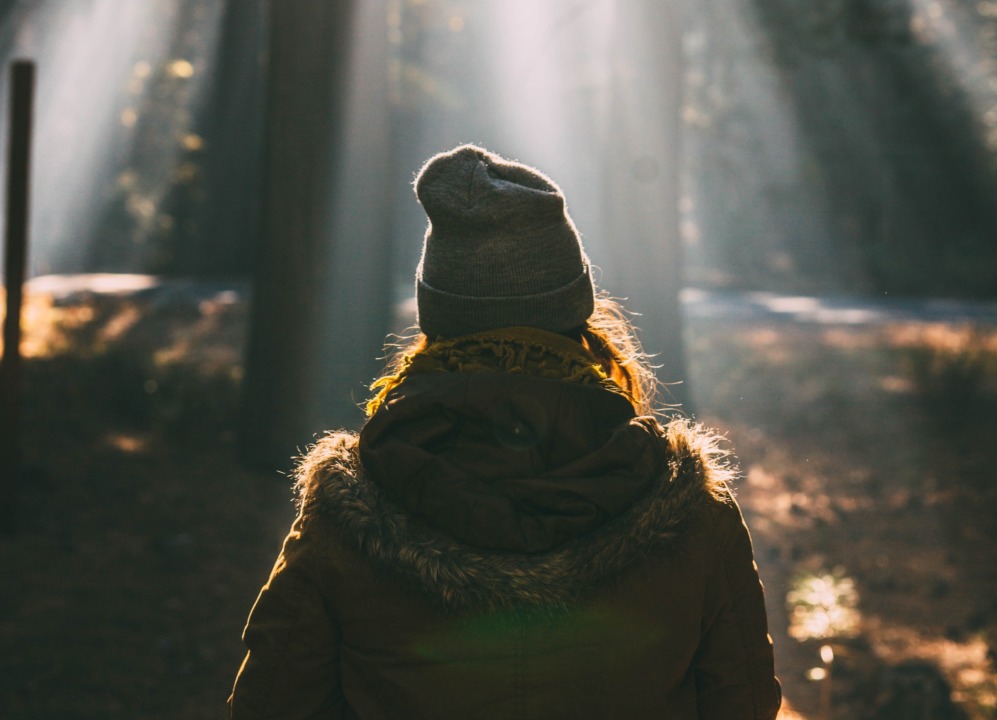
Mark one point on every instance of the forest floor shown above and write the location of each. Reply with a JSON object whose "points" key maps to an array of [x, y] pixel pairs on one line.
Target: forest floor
{"points": [[867, 453]]}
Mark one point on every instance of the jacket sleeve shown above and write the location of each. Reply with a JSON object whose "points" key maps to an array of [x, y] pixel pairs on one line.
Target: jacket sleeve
{"points": [[291, 671], [735, 676]]}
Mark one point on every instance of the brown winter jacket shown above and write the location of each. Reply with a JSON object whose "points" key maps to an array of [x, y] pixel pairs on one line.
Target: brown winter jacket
{"points": [[504, 546]]}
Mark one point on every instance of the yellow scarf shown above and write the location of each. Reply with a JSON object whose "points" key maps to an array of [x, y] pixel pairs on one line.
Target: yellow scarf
{"points": [[525, 350]]}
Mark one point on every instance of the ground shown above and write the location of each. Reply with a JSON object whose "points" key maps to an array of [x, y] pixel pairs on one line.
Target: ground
{"points": [[865, 450]]}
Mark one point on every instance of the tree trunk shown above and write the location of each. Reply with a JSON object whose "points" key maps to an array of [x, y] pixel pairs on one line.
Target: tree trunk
{"points": [[320, 304], [232, 124]]}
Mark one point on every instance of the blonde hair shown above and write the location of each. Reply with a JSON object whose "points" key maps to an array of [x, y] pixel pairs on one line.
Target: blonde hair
{"points": [[612, 339], [608, 335]]}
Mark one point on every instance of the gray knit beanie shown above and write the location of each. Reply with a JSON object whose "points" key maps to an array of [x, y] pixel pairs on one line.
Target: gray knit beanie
{"points": [[500, 249]]}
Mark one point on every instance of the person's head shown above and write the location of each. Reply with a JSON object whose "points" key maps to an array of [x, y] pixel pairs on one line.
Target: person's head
{"points": [[502, 251]]}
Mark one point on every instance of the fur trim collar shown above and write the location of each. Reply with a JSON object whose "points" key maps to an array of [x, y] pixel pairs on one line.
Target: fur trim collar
{"points": [[335, 492]]}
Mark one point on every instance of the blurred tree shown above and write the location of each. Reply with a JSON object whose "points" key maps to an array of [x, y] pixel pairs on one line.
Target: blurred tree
{"points": [[307, 61], [896, 138], [322, 299], [640, 161], [230, 127], [845, 145], [153, 208], [179, 182]]}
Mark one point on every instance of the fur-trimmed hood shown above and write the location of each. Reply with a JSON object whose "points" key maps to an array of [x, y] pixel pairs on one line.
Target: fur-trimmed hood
{"points": [[337, 493]]}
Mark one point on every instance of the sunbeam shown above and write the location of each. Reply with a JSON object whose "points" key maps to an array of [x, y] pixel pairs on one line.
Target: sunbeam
{"points": [[107, 150]]}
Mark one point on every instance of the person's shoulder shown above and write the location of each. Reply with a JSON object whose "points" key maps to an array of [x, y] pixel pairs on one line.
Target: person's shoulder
{"points": [[327, 467], [702, 475], [331, 489], [701, 465]]}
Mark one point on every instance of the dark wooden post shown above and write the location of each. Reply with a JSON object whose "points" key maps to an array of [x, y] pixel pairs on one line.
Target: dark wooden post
{"points": [[15, 262]]}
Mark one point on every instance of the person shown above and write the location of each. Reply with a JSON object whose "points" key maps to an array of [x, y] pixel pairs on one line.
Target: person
{"points": [[512, 533]]}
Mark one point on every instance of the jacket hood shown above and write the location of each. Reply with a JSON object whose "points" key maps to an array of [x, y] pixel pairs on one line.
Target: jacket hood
{"points": [[509, 462], [466, 488]]}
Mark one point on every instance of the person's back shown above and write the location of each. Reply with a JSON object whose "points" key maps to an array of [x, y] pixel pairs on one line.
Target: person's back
{"points": [[511, 534]]}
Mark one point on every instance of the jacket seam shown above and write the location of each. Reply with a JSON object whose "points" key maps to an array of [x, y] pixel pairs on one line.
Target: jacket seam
{"points": [[299, 599], [749, 675]]}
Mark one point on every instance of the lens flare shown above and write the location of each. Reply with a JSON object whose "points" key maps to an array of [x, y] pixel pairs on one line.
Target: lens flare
{"points": [[823, 605]]}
